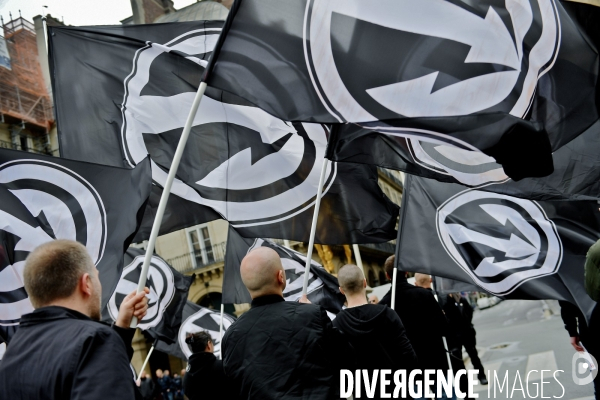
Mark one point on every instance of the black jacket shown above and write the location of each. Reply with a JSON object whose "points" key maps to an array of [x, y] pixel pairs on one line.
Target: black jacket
{"points": [[205, 378], [460, 317], [424, 321], [59, 353], [378, 339], [148, 389], [283, 350]]}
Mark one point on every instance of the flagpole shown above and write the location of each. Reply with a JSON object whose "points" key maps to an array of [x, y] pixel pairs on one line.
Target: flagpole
{"points": [[221, 329], [394, 278], [359, 263], [450, 369], [147, 358], [167, 190], [313, 227]]}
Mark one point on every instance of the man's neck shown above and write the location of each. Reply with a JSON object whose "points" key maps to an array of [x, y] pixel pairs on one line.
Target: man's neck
{"points": [[355, 300], [71, 304]]}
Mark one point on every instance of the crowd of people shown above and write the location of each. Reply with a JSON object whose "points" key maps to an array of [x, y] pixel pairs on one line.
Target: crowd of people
{"points": [[276, 350]]}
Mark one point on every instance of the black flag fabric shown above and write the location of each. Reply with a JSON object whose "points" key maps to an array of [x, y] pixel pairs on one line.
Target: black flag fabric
{"points": [[195, 319], [323, 288], [168, 294], [514, 80], [44, 198], [444, 286], [576, 173], [510, 247], [126, 93]]}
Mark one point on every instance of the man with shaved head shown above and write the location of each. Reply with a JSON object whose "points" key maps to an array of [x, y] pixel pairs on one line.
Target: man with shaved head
{"points": [[423, 280], [61, 350], [378, 325], [280, 349]]}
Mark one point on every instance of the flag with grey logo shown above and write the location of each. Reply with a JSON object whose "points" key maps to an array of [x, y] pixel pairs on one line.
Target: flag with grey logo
{"points": [[509, 78], [510, 247], [168, 294], [45, 198], [576, 173], [195, 319], [126, 93], [323, 288]]}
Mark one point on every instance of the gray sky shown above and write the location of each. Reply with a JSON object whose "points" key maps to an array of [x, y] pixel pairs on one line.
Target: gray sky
{"points": [[75, 12]]}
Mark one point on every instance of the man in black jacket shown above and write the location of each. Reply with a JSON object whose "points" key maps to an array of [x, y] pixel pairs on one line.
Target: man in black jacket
{"points": [[279, 349], [205, 378], [60, 350], [422, 317], [374, 331], [460, 316]]}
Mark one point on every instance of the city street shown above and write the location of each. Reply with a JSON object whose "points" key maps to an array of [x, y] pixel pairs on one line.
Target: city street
{"points": [[526, 335]]}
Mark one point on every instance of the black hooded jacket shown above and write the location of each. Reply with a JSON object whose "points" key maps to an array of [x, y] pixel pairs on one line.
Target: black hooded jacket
{"points": [[424, 321], [377, 336], [284, 350], [59, 353], [205, 378]]}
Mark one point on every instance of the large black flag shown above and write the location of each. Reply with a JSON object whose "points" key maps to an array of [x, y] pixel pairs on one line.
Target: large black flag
{"points": [[195, 319], [126, 92], [510, 247], [168, 294], [576, 173], [513, 79], [45, 198], [323, 288]]}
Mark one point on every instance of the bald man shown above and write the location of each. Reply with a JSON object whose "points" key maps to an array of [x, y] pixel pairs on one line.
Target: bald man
{"points": [[280, 349], [423, 280], [374, 331], [61, 350]]}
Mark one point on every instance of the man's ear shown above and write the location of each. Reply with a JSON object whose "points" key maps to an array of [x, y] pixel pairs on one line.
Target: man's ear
{"points": [[364, 282], [85, 284], [341, 290], [281, 276]]}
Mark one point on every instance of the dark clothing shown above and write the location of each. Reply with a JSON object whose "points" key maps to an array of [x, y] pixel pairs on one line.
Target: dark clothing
{"points": [[283, 350], [205, 378], [424, 321], [378, 338], [460, 317], [176, 387], [59, 353], [164, 383], [148, 389]]}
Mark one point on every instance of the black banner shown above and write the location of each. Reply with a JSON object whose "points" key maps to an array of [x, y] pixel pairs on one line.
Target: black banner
{"points": [[45, 198]]}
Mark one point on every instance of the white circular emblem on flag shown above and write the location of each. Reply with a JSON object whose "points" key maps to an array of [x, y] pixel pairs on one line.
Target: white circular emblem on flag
{"points": [[267, 172], [432, 59], [42, 201], [501, 242], [203, 320], [471, 168], [161, 283]]}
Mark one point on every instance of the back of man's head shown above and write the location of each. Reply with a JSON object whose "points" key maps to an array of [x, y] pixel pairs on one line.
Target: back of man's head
{"points": [[423, 280], [388, 266], [53, 270], [351, 280], [263, 273], [199, 341]]}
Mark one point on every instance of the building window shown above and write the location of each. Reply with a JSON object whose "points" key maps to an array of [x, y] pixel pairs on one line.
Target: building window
{"points": [[200, 246]]}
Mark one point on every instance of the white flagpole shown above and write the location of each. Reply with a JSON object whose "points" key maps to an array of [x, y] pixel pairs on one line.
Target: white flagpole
{"points": [[394, 277], [359, 263], [167, 190], [221, 329], [146, 360], [313, 227]]}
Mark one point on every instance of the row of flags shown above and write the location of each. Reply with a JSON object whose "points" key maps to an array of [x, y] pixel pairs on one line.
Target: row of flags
{"points": [[499, 127]]}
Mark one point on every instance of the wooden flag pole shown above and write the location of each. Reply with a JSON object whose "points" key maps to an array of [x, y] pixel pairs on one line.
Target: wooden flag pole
{"points": [[313, 227], [167, 190]]}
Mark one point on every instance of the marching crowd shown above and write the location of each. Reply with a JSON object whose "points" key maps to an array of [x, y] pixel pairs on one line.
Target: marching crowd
{"points": [[276, 350]]}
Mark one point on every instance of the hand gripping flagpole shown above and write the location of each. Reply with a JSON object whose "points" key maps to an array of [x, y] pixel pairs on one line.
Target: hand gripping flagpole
{"points": [[313, 227], [167, 190]]}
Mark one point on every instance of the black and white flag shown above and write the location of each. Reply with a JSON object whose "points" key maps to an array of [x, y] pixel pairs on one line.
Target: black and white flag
{"points": [[44, 198], [195, 319], [323, 288], [576, 173], [510, 247], [168, 294], [126, 93], [514, 79]]}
